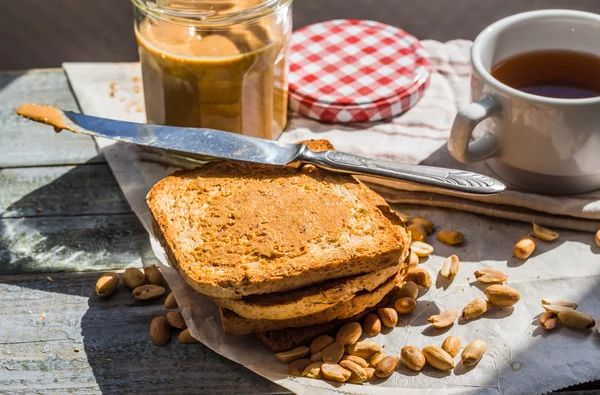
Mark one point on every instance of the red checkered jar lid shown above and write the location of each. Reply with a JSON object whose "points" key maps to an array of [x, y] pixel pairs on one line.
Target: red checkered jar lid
{"points": [[355, 71]]}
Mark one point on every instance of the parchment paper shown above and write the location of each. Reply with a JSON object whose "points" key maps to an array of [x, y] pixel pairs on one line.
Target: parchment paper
{"points": [[521, 358]]}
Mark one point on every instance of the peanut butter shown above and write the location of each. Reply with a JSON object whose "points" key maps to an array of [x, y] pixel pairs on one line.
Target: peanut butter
{"points": [[231, 78]]}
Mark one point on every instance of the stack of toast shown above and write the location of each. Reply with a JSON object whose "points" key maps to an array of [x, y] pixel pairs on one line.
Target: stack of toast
{"points": [[287, 254]]}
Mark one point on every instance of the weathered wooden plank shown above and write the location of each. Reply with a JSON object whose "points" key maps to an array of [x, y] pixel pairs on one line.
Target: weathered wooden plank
{"points": [[72, 243], [60, 190], [25, 143], [59, 337]]}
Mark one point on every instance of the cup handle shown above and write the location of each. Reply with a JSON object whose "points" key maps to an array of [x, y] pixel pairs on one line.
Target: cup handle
{"points": [[466, 119]]}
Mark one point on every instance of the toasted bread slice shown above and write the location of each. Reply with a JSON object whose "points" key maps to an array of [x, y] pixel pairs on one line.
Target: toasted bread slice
{"points": [[236, 325], [307, 300], [234, 229], [288, 338]]}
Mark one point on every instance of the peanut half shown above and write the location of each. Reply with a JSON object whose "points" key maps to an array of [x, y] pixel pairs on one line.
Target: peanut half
{"points": [[413, 260], [450, 267], [334, 372], [502, 295], [451, 345], [359, 374], [349, 333], [421, 249], [474, 309], [313, 371], [598, 238], [405, 305], [357, 360], [333, 352], [107, 284], [524, 248], [576, 319], [473, 353], [444, 319], [297, 367], [560, 302], [412, 358], [372, 325], [318, 356], [363, 349], [293, 354], [438, 358], [389, 316], [488, 275], [378, 357], [544, 233], [419, 276], [556, 308], [417, 232], [427, 224], [548, 320], [386, 366], [319, 343], [408, 290], [451, 237]]}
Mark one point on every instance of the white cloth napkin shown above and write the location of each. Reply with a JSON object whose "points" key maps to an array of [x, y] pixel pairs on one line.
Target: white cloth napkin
{"points": [[521, 358]]}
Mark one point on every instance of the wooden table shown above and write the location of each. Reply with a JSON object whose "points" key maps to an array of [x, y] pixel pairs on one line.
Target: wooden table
{"points": [[63, 219]]}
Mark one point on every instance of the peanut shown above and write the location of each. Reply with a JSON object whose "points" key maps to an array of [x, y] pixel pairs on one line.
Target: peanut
{"points": [[363, 349], [427, 224], [419, 276], [413, 260], [548, 320], [451, 237], [444, 319], [489, 275], [405, 305], [598, 238], [333, 352], [408, 290], [370, 374], [334, 372], [544, 233], [556, 308], [176, 320], [186, 338], [313, 371], [475, 309], [318, 356], [412, 358], [502, 295], [297, 367], [153, 275], [417, 232], [107, 284], [386, 366], [560, 302], [293, 354], [319, 343], [160, 332], [450, 267], [359, 374], [357, 360], [524, 248], [388, 316], [349, 333], [438, 358], [473, 353], [148, 292], [576, 319], [133, 278], [378, 357], [451, 345], [372, 325], [170, 302], [421, 249]]}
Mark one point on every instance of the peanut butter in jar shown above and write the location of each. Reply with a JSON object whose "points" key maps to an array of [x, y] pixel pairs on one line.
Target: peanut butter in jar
{"points": [[215, 64]]}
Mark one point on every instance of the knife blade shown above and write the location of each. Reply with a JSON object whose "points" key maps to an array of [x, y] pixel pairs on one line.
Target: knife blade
{"points": [[201, 142]]}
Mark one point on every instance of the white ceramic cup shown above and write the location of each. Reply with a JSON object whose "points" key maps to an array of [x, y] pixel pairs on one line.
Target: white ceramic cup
{"points": [[543, 144]]}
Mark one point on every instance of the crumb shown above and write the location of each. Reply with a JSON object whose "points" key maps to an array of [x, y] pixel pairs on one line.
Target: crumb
{"points": [[38, 209], [122, 99], [113, 88], [50, 279], [136, 79], [139, 109], [76, 350], [108, 359], [137, 89], [42, 316], [468, 278]]}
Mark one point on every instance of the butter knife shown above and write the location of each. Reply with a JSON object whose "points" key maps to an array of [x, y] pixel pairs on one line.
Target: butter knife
{"points": [[197, 142]]}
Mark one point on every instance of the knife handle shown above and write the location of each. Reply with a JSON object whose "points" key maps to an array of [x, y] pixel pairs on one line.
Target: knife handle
{"points": [[457, 180]]}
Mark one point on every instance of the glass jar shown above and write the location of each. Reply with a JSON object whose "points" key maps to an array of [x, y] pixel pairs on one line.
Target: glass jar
{"points": [[219, 64]]}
